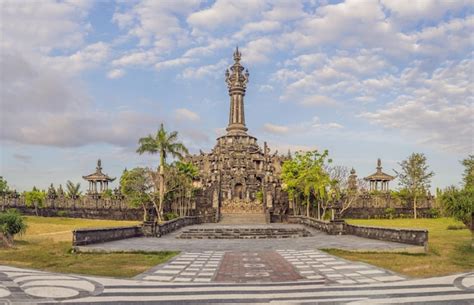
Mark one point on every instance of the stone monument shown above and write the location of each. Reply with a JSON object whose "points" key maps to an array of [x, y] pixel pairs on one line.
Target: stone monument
{"points": [[238, 176]]}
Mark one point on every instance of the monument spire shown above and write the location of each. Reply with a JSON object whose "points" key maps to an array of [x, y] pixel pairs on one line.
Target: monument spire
{"points": [[236, 81]]}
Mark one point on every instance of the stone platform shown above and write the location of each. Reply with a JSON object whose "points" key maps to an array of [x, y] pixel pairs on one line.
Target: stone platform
{"points": [[317, 240], [243, 233]]}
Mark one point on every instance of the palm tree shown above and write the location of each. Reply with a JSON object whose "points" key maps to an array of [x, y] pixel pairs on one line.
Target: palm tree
{"points": [[73, 189], [165, 144]]}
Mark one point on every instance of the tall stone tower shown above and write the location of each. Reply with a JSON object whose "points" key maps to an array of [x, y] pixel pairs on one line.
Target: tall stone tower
{"points": [[237, 83], [238, 176]]}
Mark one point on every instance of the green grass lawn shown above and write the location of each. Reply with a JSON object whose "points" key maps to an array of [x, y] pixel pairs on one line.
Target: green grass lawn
{"points": [[449, 250], [47, 246]]}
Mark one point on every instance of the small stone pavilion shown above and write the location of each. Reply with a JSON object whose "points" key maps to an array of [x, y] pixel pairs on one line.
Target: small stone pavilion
{"points": [[98, 179], [379, 180]]}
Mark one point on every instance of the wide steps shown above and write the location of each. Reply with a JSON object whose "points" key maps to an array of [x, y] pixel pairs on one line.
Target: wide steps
{"points": [[243, 233]]}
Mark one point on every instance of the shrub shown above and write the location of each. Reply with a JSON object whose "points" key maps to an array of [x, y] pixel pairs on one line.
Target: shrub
{"points": [[390, 213], [456, 227], [62, 214], [11, 224], [434, 213], [170, 216]]}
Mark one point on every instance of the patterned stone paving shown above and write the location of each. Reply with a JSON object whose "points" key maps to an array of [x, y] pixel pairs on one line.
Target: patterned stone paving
{"points": [[262, 266], [266, 266], [314, 264], [22, 286], [188, 267]]}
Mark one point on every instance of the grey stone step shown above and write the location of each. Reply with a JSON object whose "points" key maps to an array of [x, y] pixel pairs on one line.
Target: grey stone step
{"points": [[243, 233]]}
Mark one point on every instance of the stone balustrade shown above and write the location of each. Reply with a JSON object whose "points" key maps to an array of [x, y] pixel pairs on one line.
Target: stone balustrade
{"points": [[83, 237], [406, 236]]}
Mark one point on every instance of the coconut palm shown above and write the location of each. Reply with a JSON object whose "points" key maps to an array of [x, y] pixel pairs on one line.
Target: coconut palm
{"points": [[163, 143], [73, 190]]}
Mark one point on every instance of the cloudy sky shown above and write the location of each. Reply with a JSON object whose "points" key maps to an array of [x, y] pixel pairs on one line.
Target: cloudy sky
{"points": [[82, 80]]}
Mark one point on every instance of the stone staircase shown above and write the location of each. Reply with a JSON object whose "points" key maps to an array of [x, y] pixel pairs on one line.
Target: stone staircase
{"points": [[242, 219], [243, 233]]}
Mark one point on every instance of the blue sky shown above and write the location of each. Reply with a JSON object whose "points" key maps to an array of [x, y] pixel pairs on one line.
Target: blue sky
{"points": [[83, 80]]}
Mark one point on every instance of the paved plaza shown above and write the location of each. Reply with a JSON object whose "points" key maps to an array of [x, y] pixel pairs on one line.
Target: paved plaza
{"points": [[22, 286], [267, 266], [266, 271], [318, 240]]}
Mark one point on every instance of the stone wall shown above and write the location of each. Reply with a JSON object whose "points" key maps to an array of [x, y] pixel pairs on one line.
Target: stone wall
{"points": [[330, 227], [405, 236], [85, 207], [83, 237], [178, 223]]}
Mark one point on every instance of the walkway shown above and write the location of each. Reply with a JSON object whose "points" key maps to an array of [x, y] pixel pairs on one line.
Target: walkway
{"points": [[21, 286], [263, 271]]}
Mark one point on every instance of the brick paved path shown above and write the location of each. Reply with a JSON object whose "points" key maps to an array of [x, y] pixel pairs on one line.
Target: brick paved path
{"points": [[262, 266]]}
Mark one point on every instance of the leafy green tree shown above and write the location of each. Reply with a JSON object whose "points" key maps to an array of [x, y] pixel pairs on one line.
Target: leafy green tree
{"points": [[73, 190], [459, 203], [468, 175], [3, 186], [138, 188], [305, 176], [11, 224], [415, 176], [186, 173], [107, 194], [163, 143], [35, 198]]}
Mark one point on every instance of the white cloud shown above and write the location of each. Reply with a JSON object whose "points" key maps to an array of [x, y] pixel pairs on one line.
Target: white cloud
{"points": [[437, 111], [264, 26], [115, 73], [186, 114], [257, 51], [214, 70], [156, 23], [405, 11], [44, 25], [172, 63], [318, 100], [275, 129], [136, 58], [265, 88], [226, 12], [88, 57]]}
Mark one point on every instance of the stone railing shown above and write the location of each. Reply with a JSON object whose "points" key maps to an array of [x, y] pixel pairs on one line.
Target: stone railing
{"points": [[405, 236], [176, 224], [81, 237], [330, 227]]}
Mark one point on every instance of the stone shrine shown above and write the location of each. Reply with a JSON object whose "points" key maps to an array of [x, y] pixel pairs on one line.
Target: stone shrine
{"points": [[238, 176]]}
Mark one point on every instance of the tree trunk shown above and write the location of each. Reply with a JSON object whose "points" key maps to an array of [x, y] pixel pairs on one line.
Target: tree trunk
{"points": [[414, 207], [307, 207], [144, 213], [319, 210], [162, 191], [7, 241], [36, 208]]}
